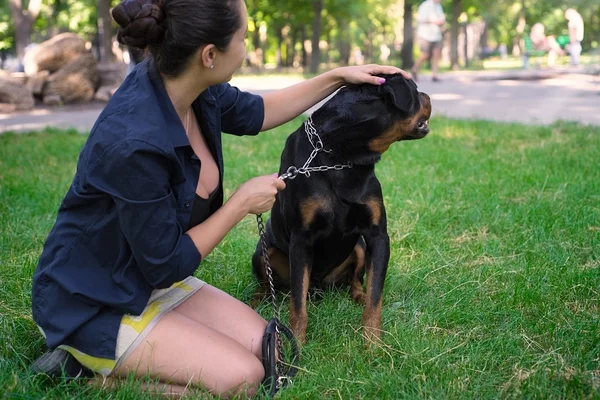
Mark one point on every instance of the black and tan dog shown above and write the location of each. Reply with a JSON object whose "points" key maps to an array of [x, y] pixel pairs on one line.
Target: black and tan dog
{"points": [[326, 229]]}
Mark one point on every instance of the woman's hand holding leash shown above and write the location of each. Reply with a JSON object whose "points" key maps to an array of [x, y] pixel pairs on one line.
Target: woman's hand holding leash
{"points": [[257, 195]]}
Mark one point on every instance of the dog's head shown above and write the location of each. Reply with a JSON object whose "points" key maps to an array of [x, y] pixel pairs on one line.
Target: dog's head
{"points": [[362, 121]]}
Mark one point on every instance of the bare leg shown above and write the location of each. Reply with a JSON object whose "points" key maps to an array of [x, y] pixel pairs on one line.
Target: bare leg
{"points": [[415, 69], [218, 310], [435, 60], [187, 349]]}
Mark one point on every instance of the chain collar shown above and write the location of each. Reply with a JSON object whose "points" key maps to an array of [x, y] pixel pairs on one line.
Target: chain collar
{"points": [[317, 145]]}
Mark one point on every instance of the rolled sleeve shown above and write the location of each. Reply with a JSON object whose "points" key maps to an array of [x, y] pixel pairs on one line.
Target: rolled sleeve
{"points": [[242, 113], [136, 176]]}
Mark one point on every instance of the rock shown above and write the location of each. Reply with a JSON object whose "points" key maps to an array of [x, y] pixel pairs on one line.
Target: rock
{"points": [[104, 93], [16, 94], [18, 78], [52, 100], [35, 83], [6, 108], [54, 53], [74, 82], [111, 74]]}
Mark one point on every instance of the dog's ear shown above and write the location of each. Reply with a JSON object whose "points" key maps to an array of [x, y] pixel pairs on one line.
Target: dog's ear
{"points": [[401, 93]]}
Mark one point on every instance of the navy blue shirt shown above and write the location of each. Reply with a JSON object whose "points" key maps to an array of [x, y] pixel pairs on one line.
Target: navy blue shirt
{"points": [[120, 230]]}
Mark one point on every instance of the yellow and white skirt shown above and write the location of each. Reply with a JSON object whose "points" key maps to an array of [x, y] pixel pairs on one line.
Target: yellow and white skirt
{"points": [[135, 328]]}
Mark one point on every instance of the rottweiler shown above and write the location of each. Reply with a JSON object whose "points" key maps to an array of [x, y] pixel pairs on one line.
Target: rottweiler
{"points": [[329, 226]]}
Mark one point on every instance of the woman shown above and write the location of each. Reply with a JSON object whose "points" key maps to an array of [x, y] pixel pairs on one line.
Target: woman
{"points": [[114, 284], [545, 43]]}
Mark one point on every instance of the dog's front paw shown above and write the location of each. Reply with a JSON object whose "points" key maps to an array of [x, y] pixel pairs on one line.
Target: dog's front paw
{"points": [[371, 323], [371, 336], [359, 296]]}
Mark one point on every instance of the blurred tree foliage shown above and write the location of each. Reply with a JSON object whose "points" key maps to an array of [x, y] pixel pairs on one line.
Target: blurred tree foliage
{"points": [[291, 33]]}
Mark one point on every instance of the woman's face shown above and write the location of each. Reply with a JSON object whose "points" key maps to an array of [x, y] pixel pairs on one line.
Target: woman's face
{"points": [[232, 59]]}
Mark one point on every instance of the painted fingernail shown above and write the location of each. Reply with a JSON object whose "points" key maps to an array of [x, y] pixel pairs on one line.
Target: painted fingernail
{"points": [[381, 81]]}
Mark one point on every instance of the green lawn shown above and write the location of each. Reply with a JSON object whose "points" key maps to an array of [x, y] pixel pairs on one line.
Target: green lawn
{"points": [[493, 288]]}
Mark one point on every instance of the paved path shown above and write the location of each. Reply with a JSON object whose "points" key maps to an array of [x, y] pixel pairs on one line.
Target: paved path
{"points": [[532, 97]]}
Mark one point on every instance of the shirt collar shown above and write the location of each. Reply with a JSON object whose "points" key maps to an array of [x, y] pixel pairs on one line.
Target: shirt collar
{"points": [[206, 101]]}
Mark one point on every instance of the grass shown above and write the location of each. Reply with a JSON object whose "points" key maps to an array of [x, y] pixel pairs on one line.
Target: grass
{"points": [[493, 288]]}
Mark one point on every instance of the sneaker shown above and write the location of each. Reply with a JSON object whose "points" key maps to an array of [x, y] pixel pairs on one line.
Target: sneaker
{"points": [[59, 363]]}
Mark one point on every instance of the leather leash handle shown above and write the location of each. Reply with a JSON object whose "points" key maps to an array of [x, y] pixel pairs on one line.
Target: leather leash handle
{"points": [[273, 381]]}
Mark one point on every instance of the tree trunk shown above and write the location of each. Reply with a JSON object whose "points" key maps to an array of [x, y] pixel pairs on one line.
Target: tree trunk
{"points": [[304, 61], [105, 31], [407, 51], [315, 59], [518, 39], [368, 46], [454, 32], [23, 20], [466, 44], [327, 52], [484, 38], [292, 49], [279, 36], [344, 43], [256, 36]]}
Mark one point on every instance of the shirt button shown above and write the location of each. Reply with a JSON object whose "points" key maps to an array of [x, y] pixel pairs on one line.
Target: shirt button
{"points": [[186, 204]]}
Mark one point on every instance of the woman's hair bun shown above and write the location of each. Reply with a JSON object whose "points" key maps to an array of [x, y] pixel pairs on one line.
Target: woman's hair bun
{"points": [[141, 23]]}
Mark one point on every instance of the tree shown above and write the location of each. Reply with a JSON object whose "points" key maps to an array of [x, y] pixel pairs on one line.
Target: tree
{"points": [[407, 52], [23, 18], [104, 30], [315, 59], [457, 9]]}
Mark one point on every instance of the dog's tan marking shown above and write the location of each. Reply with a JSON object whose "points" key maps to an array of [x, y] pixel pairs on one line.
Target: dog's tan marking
{"points": [[401, 129], [340, 275], [371, 319], [374, 207], [299, 318], [356, 290], [383, 142], [310, 207]]}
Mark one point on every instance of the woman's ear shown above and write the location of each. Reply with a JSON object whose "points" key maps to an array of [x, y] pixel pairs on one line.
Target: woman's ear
{"points": [[207, 55]]}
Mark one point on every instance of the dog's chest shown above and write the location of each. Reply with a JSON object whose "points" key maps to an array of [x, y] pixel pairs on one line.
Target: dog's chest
{"points": [[334, 217]]}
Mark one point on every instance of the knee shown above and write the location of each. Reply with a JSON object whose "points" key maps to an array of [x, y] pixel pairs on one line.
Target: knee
{"points": [[255, 337], [243, 379]]}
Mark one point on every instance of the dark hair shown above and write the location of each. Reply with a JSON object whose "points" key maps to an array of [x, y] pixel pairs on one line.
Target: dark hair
{"points": [[172, 30]]}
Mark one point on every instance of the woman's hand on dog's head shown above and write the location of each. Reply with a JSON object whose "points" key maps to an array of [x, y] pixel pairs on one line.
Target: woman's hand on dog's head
{"points": [[257, 195], [367, 73]]}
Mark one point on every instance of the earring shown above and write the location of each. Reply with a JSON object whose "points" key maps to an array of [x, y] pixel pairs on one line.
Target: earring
{"points": [[212, 66]]}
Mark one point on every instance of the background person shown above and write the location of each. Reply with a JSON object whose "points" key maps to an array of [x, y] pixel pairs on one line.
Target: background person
{"points": [[575, 35], [430, 20]]}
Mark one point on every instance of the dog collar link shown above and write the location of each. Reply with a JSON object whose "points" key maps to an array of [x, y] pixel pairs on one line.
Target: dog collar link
{"points": [[317, 144]]}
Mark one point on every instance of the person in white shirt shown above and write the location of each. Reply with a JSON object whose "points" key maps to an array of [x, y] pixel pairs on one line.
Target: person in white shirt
{"points": [[430, 19], [575, 34]]}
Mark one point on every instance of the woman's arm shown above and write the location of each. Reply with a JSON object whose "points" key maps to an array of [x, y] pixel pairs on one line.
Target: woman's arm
{"points": [[283, 105]]}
